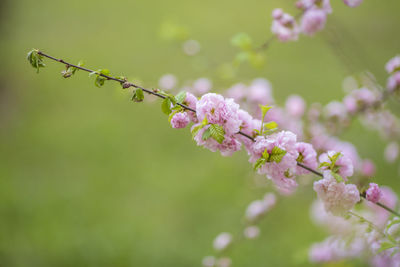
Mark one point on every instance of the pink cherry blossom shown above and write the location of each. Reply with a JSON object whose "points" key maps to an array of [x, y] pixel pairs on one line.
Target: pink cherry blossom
{"points": [[180, 120], [284, 27], [373, 193], [393, 65], [295, 106], [313, 21], [338, 198], [307, 156]]}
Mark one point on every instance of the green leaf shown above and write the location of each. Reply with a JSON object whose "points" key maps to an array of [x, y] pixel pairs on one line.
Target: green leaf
{"points": [[338, 178], [35, 59], [196, 129], [271, 125], [99, 81], [217, 132], [180, 97], [138, 95], [264, 109], [277, 154], [324, 164], [259, 163], [166, 106], [242, 40], [266, 155], [385, 246], [206, 134], [334, 158]]}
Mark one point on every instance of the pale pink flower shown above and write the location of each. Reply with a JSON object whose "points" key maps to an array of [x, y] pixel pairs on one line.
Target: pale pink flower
{"points": [[180, 120], [260, 92], [237, 92], [219, 111], [373, 193], [393, 82], [324, 5], [368, 168], [393, 65], [167, 81], [343, 162], [391, 152], [285, 27], [360, 99], [251, 232], [352, 3], [224, 262], [380, 216], [295, 106], [307, 156], [228, 146], [202, 86], [338, 198], [222, 241], [191, 102], [313, 21], [280, 173], [208, 261]]}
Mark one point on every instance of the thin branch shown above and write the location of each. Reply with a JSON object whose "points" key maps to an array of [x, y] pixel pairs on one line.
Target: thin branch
{"points": [[154, 92]]}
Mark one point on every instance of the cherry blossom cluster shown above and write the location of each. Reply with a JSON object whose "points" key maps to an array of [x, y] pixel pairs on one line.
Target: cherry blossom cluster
{"points": [[219, 124], [313, 19]]}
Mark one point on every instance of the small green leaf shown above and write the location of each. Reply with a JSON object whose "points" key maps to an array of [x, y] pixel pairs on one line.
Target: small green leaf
{"points": [[271, 125], [180, 97], [338, 178], [385, 246], [217, 132], [277, 154], [35, 59], [138, 95], [206, 134], [196, 129], [266, 155], [166, 106], [242, 40], [259, 163], [99, 81]]}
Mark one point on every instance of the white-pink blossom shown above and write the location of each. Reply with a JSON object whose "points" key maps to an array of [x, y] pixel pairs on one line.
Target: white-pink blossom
{"points": [[191, 102], [202, 86], [338, 197], [280, 173], [295, 106], [180, 120], [222, 241], [251, 232], [307, 156], [284, 26], [313, 21], [219, 111], [352, 3], [168, 81], [393, 65], [391, 152], [393, 82]]}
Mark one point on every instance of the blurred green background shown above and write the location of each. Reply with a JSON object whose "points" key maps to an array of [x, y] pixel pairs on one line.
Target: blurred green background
{"points": [[88, 178]]}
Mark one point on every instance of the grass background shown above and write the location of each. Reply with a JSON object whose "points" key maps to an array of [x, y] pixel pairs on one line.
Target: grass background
{"points": [[87, 178]]}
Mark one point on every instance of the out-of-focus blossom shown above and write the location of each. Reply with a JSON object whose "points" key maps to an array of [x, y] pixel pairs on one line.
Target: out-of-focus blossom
{"points": [[201, 86], [368, 168], [167, 81], [393, 82], [258, 208], [191, 47], [393, 65], [222, 241], [295, 106], [392, 152], [313, 21], [338, 197], [352, 3], [251, 232], [208, 261], [284, 26]]}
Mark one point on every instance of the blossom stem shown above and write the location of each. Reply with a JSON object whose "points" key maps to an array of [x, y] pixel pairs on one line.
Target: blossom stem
{"points": [[155, 93]]}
